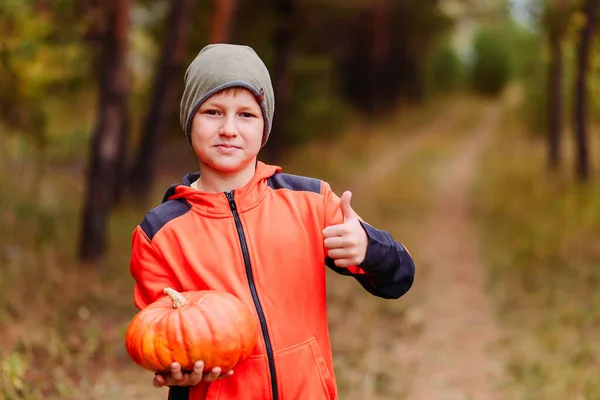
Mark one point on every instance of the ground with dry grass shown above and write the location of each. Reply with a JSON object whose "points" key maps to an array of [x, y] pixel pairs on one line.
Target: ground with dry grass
{"points": [[542, 250], [427, 177], [85, 312]]}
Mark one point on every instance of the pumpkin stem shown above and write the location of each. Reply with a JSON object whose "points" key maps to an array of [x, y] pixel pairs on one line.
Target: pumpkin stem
{"points": [[176, 297]]}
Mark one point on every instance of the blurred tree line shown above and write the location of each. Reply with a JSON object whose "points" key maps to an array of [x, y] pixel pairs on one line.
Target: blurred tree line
{"points": [[108, 74], [559, 75], [124, 60], [553, 56]]}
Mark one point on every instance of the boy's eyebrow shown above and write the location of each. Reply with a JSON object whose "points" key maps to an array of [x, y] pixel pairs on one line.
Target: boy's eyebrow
{"points": [[210, 103], [216, 103]]}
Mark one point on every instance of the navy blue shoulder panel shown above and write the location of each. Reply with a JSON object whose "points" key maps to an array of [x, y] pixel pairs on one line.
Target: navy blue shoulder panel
{"points": [[294, 182], [170, 192], [159, 216], [188, 179]]}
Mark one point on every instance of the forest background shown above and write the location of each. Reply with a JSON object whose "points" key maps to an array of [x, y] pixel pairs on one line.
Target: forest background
{"points": [[369, 94]]}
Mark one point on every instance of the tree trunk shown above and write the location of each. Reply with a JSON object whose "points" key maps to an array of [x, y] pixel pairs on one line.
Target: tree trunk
{"points": [[282, 79], [143, 172], [220, 29], [107, 138], [582, 167], [379, 55], [121, 163], [555, 103]]}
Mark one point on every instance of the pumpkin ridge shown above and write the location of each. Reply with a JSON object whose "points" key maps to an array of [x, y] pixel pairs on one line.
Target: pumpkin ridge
{"points": [[201, 299], [191, 333], [148, 346], [177, 338], [139, 348], [133, 342], [163, 347], [212, 339], [137, 339]]}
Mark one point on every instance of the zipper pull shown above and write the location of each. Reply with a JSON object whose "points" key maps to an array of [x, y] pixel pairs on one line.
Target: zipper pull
{"points": [[231, 201]]}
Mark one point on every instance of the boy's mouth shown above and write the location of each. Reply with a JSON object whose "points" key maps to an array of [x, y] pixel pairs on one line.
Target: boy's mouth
{"points": [[226, 148]]}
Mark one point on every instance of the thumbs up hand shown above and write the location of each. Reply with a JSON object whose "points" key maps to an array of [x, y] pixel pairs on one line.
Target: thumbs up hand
{"points": [[347, 242], [347, 210]]}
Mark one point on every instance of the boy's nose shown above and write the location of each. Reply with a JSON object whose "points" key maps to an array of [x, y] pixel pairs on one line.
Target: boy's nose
{"points": [[228, 128]]}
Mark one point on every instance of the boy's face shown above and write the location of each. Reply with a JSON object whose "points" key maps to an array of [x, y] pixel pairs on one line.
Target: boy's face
{"points": [[227, 132]]}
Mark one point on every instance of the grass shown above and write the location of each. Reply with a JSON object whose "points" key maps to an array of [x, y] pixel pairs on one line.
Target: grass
{"points": [[340, 160], [63, 323], [542, 238], [59, 319]]}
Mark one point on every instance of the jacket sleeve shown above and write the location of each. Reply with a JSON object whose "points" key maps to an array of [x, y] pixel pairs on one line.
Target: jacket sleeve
{"points": [[388, 269], [149, 269]]}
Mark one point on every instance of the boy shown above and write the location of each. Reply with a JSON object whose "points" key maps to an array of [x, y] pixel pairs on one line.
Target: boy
{"points": [[245, 227]]}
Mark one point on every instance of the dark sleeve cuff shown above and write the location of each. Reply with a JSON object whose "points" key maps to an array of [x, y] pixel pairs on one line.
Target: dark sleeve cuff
{"points": [[379, 248], [179, 393]]}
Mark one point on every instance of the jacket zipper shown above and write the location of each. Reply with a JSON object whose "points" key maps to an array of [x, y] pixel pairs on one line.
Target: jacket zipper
{"points": [[253, 291]]}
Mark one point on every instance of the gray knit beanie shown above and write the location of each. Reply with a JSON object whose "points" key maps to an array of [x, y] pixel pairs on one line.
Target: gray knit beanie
{"points": [[222, 66]]}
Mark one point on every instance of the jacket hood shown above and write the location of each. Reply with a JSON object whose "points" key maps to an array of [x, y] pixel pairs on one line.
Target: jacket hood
{"points": [[245, 197]]}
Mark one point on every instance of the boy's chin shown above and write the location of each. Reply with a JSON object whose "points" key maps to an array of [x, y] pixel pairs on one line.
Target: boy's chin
{"points": [[230, 166]]}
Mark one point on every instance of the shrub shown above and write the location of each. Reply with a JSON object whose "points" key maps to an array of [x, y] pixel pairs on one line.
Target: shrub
{"points": [[446, 69], [492, 62]]}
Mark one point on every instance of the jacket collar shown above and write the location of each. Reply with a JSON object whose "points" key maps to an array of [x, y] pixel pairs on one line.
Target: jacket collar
{"points": [[217, 204]]}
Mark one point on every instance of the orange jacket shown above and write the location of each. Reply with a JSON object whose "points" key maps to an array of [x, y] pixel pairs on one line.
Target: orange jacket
{"points": [[263, 243]]}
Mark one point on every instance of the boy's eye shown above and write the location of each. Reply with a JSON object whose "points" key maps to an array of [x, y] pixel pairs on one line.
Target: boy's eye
{"points": [[247, 115], [211, 112]]}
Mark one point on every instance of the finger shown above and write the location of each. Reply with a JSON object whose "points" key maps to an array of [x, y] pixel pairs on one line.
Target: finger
{"points": [[176, 372], [336, 242], [212, 375], [347, 253], [159, 381], [197, 374], [338, 253], [336, 230], [226, 374], [347, 210], [344, 262]]}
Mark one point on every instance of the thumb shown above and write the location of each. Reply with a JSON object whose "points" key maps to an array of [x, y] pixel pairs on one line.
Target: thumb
{"points": [[347, 210]]}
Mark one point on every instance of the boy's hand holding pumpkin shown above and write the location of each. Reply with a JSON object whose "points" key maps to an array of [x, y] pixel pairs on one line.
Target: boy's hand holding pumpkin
{"points": [[179, 378], [346, 242]]}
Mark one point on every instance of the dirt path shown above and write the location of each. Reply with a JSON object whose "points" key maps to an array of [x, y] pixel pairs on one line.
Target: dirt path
{"points": [[380, 365], [383, 164], [454, 351]]}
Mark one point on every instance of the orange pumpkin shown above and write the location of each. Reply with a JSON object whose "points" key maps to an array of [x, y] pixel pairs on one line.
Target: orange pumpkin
{"points": [[212, 326]]}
